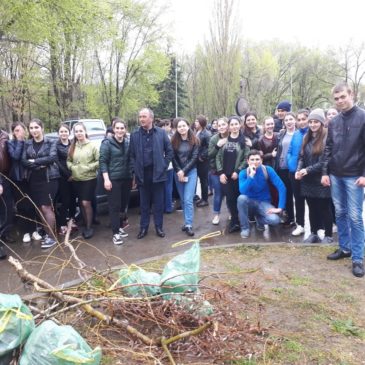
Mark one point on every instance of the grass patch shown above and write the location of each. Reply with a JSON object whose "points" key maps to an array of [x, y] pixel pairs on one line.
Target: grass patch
{"points": [[344, 298], [285, 351], [278, 290], [299, 281], [244, 362], [348, 328]]}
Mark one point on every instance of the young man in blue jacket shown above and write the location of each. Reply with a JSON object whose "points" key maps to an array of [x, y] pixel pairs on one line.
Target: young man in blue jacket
{"points": [[255, 195]]}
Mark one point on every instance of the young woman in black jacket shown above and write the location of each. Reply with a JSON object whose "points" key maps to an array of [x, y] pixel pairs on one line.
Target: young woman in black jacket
{"points": [[39, 158], [25, 210], [185, 146], [115, 166], [309, 171], [66, 195]]}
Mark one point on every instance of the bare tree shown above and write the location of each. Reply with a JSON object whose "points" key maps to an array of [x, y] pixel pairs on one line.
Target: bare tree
{"points": [[222, 56], [352, 62]]}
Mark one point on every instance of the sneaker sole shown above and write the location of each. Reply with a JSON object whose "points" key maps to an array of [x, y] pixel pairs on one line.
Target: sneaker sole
{"points": [[48, 246]]}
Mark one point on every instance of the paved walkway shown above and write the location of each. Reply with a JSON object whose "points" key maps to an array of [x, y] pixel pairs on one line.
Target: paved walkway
{"points": [[100, 253]]}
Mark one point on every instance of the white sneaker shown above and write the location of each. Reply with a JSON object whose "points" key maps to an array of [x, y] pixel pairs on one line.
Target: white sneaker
{"points": [[215, 219], [298, 231], [123, 233], [321, 233], [117, 239], [36, 236], [27, 238], [48, 243]]}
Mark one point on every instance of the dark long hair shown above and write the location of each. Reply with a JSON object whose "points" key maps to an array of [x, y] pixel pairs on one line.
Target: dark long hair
{"points": [[16, 124], [176, 138], [319, 140]]}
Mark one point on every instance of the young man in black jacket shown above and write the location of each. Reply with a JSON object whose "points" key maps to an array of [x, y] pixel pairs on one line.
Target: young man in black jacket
{"points": [[344, 171]]}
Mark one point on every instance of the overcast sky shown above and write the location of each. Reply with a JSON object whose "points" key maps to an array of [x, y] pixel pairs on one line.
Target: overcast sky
{"points": [[316, 23]]}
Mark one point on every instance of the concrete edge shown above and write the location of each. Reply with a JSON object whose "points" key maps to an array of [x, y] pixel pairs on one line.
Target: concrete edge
{"points": [[75, 282]]}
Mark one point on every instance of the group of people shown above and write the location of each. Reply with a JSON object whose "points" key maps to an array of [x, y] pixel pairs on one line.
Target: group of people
{"points": [[266, 174]]}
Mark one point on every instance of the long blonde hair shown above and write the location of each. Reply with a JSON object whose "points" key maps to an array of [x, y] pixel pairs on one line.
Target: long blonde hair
{"points": [[71, 150]]}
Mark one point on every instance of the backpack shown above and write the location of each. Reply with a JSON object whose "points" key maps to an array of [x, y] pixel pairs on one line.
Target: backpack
{"points": [[273, 191]]}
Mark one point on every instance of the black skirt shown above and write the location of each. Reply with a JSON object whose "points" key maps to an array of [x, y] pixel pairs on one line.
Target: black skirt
{"points": [[41, 191], [85, 190]]}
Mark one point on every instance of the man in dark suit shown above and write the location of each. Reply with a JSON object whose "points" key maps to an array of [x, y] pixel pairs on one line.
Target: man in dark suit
{"points": [[151, 153]]}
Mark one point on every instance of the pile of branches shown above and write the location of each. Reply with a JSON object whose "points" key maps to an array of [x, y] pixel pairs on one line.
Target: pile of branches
{"points": [[151, 330]]}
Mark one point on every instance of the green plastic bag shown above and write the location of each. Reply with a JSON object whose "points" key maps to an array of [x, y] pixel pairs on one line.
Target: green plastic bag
{"points": [[181, 274], [16, 322], [50, 344], [148, 282]]}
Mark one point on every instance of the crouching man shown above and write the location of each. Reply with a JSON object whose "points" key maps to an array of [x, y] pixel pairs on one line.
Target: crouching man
{"points": [[255, 198]]}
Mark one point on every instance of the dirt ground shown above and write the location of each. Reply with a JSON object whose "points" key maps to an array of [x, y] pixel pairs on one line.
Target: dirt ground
{"points": [[313, 308]]}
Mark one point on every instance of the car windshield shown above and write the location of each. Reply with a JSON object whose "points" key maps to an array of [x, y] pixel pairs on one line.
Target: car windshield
{"points": [[94, 125]]}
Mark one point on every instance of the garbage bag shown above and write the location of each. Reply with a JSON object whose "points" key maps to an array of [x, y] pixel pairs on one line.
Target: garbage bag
{"points": [[16, 322], [51, 344], [181, 274], [196, 306], [148, 283]]}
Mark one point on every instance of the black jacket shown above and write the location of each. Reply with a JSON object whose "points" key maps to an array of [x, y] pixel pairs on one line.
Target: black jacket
{"points": [[311, 184], [344, 154], [253, 137], [114, 159], [278, 125], [204, 138], [162, 155], [185, 157], [45, 158], [62, 153], [15, 150], [280, 137]]}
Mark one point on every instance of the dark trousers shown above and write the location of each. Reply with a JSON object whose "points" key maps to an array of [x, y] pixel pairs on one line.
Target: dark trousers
{"points": [[118, 200], [289, 206], [320, 215], [67, 200], [299, 200], [203, 171], [24, 207], [6, 207], [231, 191], [151, 193]]}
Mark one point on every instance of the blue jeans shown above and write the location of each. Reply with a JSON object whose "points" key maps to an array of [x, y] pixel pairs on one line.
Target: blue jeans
{"points": [[348, 200], [168, 191], [186, 192], [257, 208], [217, 193]]}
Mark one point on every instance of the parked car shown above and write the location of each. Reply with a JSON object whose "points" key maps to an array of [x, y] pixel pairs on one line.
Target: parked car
{"points": [[93, 126]]}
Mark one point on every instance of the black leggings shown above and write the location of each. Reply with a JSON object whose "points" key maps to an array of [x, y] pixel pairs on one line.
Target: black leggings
{"points": [[231, 191], [289, 207], [203, 171], [118, 200], [320, 215], [299, 200]]}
